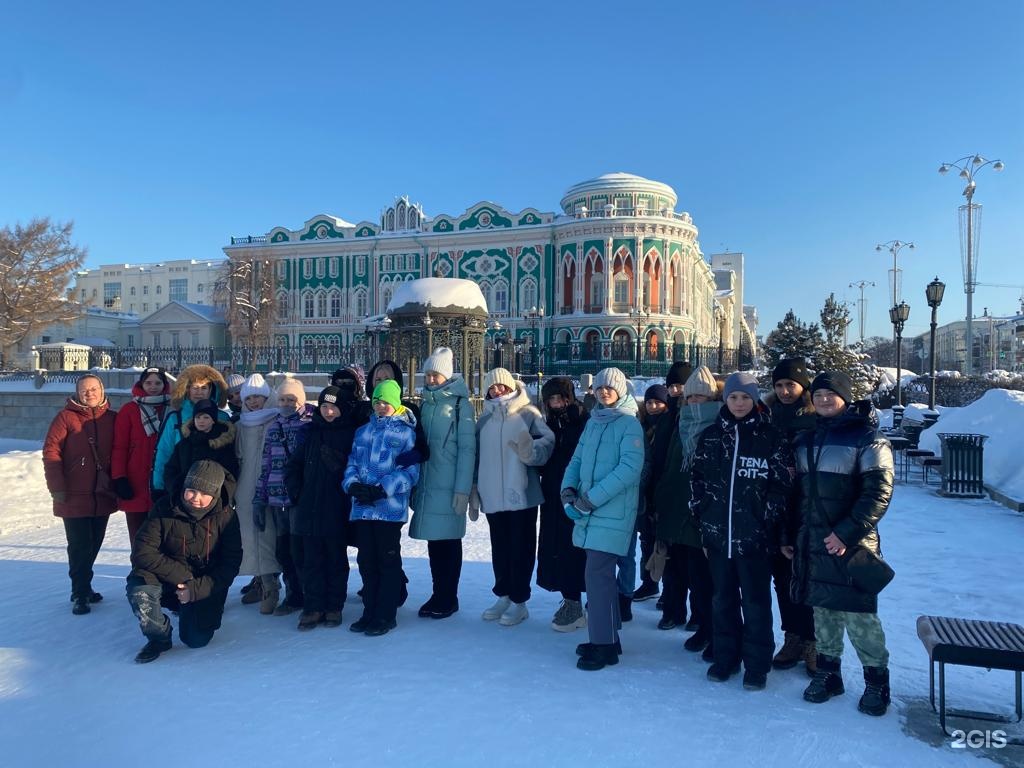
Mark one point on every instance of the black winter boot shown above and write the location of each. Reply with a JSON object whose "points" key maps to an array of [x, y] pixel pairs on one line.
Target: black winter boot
{"points": [[584, 649], [875, 700], [827, 682], [625, 608], [599, 657], [151, 651]]}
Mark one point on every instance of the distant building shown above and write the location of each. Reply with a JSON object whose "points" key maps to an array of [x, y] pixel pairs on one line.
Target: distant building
{"points": [[617, 267], [95, 327], [998, 344], [142, 289]]}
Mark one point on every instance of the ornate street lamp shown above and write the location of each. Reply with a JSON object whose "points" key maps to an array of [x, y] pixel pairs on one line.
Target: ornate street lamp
{"points": [[933, 292], [641, 318], [534, 316], [898, 317], [969, 165]]}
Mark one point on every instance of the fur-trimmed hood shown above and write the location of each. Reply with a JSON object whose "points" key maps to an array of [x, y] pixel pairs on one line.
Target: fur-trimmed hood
{"points": [[223, 433], [200, 373]]}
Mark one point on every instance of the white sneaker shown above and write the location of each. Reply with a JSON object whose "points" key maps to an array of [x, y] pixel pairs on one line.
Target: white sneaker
{"points": [[497, 610], [514, 614]]}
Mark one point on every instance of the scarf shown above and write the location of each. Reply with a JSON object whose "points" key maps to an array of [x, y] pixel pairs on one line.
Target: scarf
{"points": [[151, 408], [693, 419], [624, 406], [257, 418]]}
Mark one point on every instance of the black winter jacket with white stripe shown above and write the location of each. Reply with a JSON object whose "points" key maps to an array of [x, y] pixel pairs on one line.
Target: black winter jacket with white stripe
{"points": [[742, 474]]}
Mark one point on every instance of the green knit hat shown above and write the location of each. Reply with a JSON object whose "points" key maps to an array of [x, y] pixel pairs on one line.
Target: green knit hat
{"points": [[389, 392]]}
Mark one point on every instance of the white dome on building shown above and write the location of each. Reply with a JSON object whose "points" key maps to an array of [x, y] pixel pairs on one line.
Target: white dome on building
{"points": [[617, 189]]}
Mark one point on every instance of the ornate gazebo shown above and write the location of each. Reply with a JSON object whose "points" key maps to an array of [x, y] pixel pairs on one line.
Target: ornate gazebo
{"points": [[434, 312]]}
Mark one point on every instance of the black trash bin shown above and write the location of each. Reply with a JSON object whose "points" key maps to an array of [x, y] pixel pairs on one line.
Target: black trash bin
{"points": [[963, 465]]}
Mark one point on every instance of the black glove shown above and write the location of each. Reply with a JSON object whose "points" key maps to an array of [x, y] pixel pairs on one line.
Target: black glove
{"points": [[408, 458], [358, 491], [123, 488], [330, 459], [375, 493]]}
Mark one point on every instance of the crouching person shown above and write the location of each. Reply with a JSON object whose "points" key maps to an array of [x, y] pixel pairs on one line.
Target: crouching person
{"points": [[185, 557]]}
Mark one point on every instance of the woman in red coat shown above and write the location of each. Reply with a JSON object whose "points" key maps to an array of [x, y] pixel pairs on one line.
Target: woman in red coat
{"points": [[135, 435], [76, 464]]}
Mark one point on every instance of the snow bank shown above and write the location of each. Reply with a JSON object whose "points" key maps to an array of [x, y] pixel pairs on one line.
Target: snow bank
{"points": [[999, 413], [438, 292], [25, 505], [887, 378]]}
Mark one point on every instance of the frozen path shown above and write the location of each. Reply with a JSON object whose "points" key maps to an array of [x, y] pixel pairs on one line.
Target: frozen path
{"points": [[462, 692]]}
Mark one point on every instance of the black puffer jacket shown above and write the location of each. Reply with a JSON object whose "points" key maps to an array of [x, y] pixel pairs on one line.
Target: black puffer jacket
{"points": [[314, 472], [742, 473], [560, 565], [845, 475], [203, 550], [793, 420], [216, 445]]}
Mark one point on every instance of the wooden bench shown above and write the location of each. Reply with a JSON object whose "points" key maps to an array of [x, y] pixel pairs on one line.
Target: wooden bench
{"points": [[971, 643]]}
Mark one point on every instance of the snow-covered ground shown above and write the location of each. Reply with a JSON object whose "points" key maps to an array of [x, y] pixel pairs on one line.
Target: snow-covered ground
{"points": [[463, 692]]}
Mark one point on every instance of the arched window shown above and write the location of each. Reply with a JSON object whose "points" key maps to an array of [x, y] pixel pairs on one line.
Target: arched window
{"points": [[199, 289], [621, 289], [159, 290], [361, 302], [528, 295], [501, 297], [307, 305], [335, 297], [386, 292], [597, 289], [321, 304], [282, 306], [390, 226]]}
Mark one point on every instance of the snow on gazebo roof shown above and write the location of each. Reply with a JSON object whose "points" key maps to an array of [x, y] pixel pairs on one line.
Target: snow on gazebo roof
{"points": [[438, 293]]}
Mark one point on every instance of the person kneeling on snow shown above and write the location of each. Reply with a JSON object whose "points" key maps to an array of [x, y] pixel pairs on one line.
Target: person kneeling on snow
{"points": [[185, 557]]}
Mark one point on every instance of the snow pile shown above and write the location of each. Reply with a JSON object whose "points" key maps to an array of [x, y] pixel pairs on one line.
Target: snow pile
{"points": [[438, 292], [451, 692], [999, 413], [887, 378]]}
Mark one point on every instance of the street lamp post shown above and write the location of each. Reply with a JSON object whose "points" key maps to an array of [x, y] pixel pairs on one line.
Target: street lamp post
{"points": [[898, 316], [720, 316], [969, 165], [933, 293], [534, 316], [894, 247], [641, 317], [862, 305]]}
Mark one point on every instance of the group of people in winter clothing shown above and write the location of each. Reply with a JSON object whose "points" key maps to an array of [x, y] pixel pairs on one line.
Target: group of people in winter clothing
{"points": [[724, 491]]}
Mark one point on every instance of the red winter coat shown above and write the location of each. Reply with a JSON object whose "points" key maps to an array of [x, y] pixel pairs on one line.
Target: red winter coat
{"points": [[69, 462], [133, 452]]}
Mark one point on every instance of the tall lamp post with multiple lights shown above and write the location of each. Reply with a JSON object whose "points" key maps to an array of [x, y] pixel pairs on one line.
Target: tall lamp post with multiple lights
{"points": [[933, 293], [898, 316], [894, 247], [862, 305], [641, 317], [969, 167]]}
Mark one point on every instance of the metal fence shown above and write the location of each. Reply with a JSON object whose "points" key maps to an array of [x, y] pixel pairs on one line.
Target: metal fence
{"points": [[556, 360]]}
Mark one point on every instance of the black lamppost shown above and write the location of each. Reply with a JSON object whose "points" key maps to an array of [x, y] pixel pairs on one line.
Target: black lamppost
{"points": [[933, 292], [641, 318], [898, 317], [534, 316]]}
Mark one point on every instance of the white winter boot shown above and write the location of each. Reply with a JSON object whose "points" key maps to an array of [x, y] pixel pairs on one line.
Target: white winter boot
{"points": [[497, 610], [514, 614]]}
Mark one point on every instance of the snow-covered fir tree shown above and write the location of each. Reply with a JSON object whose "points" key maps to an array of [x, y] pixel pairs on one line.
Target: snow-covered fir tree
{"points": [[792, 338], [834, 355]]}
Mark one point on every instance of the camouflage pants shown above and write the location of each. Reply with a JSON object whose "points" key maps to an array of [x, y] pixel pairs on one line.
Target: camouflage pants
{"points": [[864, 629]]}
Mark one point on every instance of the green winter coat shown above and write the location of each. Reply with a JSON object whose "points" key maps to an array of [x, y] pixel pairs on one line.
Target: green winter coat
{"points": [[449, 424]]}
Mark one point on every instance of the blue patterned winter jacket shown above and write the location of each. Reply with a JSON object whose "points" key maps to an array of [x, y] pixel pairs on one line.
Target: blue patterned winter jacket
{"points": [[372, 461]]}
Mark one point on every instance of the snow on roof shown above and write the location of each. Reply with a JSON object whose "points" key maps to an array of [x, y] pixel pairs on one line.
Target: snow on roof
{"points": [[210, 313], [439, 293]]}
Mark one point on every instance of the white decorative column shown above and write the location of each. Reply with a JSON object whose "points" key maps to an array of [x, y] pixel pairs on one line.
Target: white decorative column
{"points": [[609, 281], [638, 271]]}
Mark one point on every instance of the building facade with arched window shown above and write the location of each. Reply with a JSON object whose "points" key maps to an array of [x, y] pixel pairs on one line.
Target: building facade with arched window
{"points": [[617, 246]]}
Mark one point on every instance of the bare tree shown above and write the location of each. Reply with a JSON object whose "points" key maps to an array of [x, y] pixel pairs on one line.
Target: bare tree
{"points": [[246, 292], [37, 262]]}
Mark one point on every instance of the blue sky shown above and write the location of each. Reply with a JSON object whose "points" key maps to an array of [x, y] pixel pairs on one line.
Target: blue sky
{"points": [[801, 133]]}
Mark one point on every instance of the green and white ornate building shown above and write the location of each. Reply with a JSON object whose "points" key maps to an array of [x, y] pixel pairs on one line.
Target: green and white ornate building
{"points": [[568, 283]]}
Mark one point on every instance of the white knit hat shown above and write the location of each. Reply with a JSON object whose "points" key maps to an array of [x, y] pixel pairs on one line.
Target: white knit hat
{"points": [[499, 376], [701, 382], [255, 385], [235, 382], [291, 386], [441, 361], [613, 378]]}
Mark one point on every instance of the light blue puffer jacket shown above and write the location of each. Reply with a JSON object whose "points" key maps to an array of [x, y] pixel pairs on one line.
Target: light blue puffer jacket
{"points": [[606, 466], [372, 461]]}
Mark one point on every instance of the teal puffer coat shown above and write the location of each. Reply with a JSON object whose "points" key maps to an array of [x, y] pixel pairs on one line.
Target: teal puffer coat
{"points": [[606, 466], [448, 421]]}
